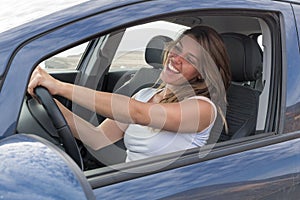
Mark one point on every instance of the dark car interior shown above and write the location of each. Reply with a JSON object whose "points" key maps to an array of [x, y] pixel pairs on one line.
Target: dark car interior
{"points": [[248, 96]]}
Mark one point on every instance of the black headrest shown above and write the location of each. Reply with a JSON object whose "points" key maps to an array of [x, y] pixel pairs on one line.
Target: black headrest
{"points": [[155, 50], [245, 57]]}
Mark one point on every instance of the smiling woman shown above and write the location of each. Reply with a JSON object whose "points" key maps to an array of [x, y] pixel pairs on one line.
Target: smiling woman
{"points": [[195, 76]]}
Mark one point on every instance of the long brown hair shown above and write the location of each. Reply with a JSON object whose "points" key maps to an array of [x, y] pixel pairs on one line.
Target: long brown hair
{"points": [[214, 69]]}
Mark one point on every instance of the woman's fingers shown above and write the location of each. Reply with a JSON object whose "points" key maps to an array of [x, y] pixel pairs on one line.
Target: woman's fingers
{"points": [[38, 78]]}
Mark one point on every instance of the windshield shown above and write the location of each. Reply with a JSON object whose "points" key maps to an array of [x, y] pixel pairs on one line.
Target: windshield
{"points": [[15, 12]]}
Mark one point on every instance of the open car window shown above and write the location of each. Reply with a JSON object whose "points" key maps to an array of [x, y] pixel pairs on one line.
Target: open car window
{"points": [[66, 60], [116, 59]]}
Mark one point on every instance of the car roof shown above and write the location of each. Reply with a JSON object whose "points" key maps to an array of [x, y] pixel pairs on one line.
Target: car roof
{"points": [[13, 38], [29, 11]]}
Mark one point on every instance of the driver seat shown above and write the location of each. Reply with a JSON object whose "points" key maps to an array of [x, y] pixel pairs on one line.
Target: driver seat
{"points": [[246, 67]]}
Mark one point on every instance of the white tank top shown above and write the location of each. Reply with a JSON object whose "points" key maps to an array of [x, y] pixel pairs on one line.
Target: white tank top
{"points": [[144, 141]]}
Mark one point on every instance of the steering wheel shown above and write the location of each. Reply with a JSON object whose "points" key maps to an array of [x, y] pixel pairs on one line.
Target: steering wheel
{"points": [[60, 124]]}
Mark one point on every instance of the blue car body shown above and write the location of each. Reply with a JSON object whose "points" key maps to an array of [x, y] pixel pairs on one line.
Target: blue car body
{"points": [[24, 175], [263, 168]]}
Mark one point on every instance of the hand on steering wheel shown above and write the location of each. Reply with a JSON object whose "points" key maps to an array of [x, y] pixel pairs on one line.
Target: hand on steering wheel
{"points": [[60, 124]]}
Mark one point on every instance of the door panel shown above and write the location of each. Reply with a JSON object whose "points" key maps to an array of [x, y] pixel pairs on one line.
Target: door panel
{"points": [[258, 173]]}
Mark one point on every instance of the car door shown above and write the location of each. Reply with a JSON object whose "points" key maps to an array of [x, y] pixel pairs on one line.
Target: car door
{"points": [[263, 165]]}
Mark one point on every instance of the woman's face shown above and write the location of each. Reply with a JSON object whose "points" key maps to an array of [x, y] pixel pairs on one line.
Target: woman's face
{"points": [[182, 61]]}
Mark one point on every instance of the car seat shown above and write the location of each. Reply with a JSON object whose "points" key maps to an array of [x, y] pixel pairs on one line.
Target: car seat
{"points": [[246, 66]]}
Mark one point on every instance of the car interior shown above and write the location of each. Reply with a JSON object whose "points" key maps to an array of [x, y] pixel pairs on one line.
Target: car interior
{"points": [[107, 63]]}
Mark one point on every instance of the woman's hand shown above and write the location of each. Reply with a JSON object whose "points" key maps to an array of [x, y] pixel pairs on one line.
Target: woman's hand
{"points": [[40, 77]]}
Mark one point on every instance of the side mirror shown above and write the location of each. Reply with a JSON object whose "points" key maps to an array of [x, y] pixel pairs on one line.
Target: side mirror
{"points": [[33, 168]]}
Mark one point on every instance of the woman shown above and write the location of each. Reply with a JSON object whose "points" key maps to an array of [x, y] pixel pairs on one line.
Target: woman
{"points": [[176, 116]]}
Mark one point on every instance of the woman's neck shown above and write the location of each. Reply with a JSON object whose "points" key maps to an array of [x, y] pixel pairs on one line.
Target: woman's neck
{"points": [[160, 95], [166, 91]]}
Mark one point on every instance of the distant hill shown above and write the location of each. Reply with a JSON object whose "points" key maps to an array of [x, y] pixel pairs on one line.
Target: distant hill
{"points": [[123, 60], [292, 121], [69, 62]]}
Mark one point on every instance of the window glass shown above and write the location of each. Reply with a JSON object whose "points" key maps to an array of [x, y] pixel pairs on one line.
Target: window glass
{"points": [[259, 41], [66, 60], [130, 53]]}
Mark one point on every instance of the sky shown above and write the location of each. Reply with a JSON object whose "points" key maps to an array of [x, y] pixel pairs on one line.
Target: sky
{"points": [[17, 12]]}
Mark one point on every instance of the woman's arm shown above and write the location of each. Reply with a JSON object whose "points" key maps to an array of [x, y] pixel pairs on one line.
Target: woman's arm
{"points": [[191, 115], [106, 133]]}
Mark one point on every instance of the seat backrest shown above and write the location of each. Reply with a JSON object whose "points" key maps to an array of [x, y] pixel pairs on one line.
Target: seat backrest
{"points": [[147, 77], [246, 66]]}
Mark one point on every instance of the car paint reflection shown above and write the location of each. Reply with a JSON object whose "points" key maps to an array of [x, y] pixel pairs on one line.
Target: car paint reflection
{"points": [[31, 170], [238, 173]]}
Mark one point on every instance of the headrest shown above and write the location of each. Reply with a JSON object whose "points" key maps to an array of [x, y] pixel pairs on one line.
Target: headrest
{"points": [[245, 57], [155, 50]]}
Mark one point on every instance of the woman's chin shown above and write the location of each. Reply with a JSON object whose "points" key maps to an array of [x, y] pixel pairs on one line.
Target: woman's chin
{"points": [[173, 79], [174, 82]]}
